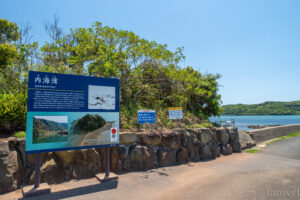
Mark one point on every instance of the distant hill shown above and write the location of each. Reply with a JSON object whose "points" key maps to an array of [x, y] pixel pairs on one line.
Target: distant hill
{"points": [[266, 108], [43, 124]]}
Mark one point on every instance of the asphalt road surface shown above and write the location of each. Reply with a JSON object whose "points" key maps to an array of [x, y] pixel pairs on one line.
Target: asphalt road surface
{"points": [[273, 173]]}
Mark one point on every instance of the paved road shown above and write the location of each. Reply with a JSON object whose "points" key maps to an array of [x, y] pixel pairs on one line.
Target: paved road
{"points": [[289, 148], [274, 173]]}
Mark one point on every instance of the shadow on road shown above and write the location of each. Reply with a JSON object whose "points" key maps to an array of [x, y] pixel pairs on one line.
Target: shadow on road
{"points": [[77, 191]]}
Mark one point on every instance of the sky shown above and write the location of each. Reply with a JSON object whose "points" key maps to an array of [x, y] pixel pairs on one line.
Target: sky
{"points": [[253, 44]]}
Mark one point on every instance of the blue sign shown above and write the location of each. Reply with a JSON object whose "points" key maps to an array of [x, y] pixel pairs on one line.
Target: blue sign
{"points": [[146, 116], [67, 112]]}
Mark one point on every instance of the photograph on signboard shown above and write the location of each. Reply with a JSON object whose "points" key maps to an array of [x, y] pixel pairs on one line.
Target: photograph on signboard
{"points": [[101, 97], [50, 129], [90, 129]]}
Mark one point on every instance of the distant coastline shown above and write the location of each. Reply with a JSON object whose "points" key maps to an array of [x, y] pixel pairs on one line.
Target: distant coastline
{"points": [[266, 108], [257, 114], [243, 121]]}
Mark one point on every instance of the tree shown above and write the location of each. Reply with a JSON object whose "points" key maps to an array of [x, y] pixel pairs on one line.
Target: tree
{"points": [[17, 56], [8, 54], [15, 50], [8, 34], [150, 74], [8, 31], [106, 52]]}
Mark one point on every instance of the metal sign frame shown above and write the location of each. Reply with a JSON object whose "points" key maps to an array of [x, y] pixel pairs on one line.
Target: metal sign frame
{"points": [[63, 100]]}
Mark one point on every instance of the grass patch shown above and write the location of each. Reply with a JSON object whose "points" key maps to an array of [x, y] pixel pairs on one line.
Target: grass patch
{"points": [[252, 150], [291, 135], [20, 134]]}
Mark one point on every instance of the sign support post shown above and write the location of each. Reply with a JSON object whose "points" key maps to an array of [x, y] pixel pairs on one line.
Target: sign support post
{"points": [[38, 188], [107, 160], [37, 170], [107, 175]]}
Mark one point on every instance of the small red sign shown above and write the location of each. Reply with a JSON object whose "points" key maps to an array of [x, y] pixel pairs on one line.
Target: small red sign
{"points": [[113, 131]]}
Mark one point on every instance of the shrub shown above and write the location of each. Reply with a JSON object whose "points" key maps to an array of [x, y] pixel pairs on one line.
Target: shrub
{"points": [[13, 108], [20, 134]]}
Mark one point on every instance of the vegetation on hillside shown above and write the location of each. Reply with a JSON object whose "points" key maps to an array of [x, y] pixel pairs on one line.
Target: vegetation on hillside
{"points": [[266, 108], [150, 74]]}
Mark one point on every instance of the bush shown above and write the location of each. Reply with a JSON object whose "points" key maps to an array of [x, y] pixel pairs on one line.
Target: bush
{"points": [[13, 108], [20, 134]]}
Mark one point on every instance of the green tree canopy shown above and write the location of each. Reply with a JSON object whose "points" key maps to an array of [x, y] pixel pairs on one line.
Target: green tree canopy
{"points": [[8, 34], [150, 74], [9, 31]]}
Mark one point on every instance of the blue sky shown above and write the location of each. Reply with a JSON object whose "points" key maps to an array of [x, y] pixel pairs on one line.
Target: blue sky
{"points": [[253, 44]]}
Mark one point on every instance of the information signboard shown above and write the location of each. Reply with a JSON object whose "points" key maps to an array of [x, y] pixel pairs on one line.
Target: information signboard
{"points": [[66, 112], [175, 113], [146, 116]]}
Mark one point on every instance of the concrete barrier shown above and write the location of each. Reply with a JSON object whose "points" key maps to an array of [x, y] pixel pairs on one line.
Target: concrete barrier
{"points": [[260, 135]]}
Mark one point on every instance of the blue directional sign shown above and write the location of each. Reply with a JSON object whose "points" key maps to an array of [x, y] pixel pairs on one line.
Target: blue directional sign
{"points": [[146, 116], [67, 112]]}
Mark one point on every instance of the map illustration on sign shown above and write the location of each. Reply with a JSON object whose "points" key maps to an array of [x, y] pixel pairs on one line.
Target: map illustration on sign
{"points": [[101, 97]]}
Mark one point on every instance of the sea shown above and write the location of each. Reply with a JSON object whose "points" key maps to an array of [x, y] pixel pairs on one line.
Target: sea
{"points": [[243, 121]]}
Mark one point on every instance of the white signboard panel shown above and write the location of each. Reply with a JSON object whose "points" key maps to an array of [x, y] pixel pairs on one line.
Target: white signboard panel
{"points": [[175, 113]]}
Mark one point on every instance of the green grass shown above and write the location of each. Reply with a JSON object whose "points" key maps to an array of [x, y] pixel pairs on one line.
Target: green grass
{"points": [[20, 134], [252, 150], [291, 135]]}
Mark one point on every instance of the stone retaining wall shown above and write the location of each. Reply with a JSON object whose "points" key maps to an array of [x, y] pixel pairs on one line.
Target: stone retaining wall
{"points": [[137, 151], [260, 135]]}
